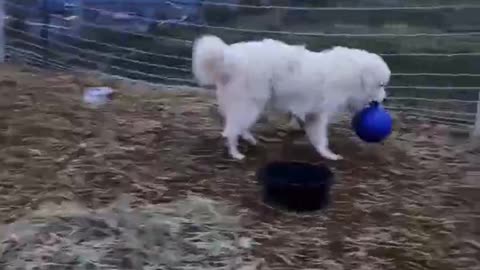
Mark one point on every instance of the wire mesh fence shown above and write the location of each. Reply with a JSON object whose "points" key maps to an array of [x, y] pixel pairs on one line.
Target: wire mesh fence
{"points": [[432, 50]]}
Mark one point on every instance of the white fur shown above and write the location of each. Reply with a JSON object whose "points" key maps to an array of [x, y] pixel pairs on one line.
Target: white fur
{"points": [[312, 86]]}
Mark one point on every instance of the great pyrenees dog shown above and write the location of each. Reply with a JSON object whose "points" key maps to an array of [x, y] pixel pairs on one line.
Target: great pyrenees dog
{"points": [[314, 87]]}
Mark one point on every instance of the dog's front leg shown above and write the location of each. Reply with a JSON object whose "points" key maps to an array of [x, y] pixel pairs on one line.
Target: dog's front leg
{"points": [[317, 131]]}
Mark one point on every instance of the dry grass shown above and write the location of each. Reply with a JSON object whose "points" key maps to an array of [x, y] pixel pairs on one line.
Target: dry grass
{"points": [[195, 233], [411, 203]]}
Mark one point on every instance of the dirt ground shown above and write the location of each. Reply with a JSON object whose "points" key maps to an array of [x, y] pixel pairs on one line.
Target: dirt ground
{"points": [[411, 203]]}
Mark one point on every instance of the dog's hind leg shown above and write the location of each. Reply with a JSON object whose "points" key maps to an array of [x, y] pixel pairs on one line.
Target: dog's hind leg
{"points": [[231, 134], [248, 136], [239, 118], [317, 131]]}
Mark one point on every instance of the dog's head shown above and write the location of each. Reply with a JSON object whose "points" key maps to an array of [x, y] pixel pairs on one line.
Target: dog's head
{"points": [[375, 76]]}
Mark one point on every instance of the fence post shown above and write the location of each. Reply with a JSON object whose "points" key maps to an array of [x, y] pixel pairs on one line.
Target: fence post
{"points": [[2, 31], [476, 131]]}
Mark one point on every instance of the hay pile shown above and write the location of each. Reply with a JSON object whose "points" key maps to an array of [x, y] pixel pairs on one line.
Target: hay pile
{"points": [[409, 204], [194, 233]]}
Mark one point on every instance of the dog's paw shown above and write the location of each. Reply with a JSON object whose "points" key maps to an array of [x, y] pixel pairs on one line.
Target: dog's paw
{"points": [[335, 157], [330, 155], [237, 156]]}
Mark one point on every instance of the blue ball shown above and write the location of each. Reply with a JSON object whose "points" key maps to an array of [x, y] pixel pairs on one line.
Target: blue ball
{"points": [[372, 124]]}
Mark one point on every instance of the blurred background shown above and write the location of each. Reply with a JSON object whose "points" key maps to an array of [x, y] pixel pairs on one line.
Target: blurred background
{"points": [[432, 47]]}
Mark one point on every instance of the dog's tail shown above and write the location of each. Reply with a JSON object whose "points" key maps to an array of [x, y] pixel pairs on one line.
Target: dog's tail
{"points": [[208, 58]]}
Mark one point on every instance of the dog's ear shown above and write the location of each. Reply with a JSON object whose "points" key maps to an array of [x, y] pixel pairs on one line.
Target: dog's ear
{"points": [[364, 81], [367, 80], [372, 87]]}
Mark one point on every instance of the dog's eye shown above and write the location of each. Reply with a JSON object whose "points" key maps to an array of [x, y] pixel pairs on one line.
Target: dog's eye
{"points": [[382, 85]]}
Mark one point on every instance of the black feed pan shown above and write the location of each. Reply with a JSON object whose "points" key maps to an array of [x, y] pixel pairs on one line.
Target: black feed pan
{"points": [[296, 186]]}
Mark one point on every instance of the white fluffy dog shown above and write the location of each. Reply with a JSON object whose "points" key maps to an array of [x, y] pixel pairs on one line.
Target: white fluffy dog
{"points": [[312, 86]]}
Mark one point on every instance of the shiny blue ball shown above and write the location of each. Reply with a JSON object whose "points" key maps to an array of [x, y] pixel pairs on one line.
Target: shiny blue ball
{"points": [[373, 124]]}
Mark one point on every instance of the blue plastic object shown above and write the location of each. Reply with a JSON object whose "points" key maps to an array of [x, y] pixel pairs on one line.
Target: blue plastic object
{"points": [[98, 96], [373, 124]]}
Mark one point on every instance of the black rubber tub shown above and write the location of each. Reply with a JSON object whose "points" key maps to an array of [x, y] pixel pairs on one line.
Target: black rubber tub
{"points": [[296, 186]]}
